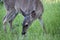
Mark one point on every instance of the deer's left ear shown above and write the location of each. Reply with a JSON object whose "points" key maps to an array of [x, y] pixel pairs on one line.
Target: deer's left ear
{"points": [[33, 14]]}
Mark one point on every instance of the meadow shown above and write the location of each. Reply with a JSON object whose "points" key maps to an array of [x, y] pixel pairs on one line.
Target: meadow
{"points": [[51, 17]]}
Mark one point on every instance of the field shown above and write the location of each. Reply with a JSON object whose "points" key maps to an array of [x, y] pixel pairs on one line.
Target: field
{"points": [[51, 17]]}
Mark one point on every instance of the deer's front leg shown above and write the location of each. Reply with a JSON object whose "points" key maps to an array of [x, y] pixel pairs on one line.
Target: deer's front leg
{"points": [[10, 23], [12, 18], [42, 24]]}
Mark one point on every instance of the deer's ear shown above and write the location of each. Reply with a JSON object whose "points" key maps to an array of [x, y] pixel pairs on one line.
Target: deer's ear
{"points": [[23, 13], [33, 14]]}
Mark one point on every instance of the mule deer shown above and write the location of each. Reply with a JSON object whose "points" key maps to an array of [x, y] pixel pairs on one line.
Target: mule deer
{"points": [[30, 9]]}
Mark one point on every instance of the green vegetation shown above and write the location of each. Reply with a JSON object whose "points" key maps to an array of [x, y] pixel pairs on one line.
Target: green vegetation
{"points": [[51, 18]]}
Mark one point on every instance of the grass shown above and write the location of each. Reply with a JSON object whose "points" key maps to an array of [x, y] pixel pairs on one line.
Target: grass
{"points": [[51, 18]]}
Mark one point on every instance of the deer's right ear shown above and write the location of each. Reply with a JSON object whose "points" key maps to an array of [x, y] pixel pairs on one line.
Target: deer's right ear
{"points": [[23, 13], [33, 14]]}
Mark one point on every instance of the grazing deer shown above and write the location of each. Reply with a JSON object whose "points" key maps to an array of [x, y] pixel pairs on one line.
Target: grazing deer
{"points": [[30, 9]]}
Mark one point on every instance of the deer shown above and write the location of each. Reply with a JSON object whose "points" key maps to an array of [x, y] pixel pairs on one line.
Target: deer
{"points": [[30, 9]]}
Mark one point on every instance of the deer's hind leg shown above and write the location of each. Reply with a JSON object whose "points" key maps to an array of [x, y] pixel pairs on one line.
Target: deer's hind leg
{"points": [[4, 26], [5, 23], [11, 14]]}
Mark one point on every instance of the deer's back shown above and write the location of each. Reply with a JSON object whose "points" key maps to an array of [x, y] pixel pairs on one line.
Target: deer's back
{"points": [[24, 5]]}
